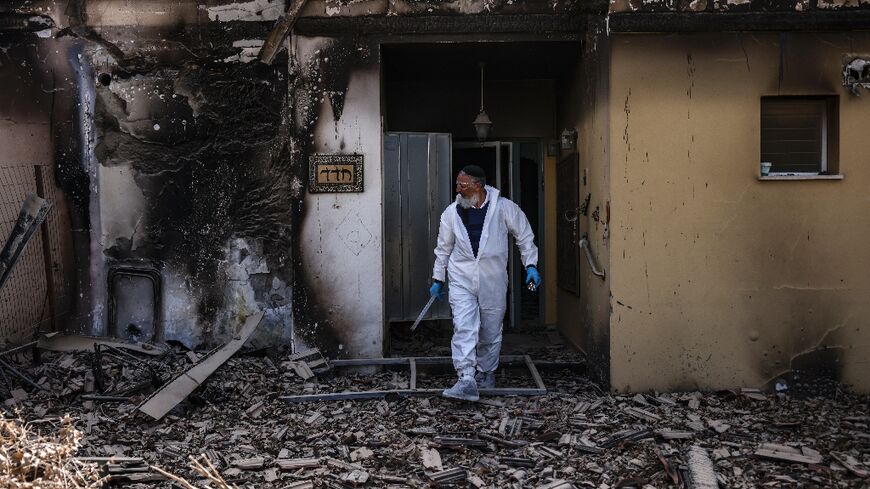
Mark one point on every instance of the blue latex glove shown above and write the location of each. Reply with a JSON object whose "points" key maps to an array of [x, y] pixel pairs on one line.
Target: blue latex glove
{"points": [[435, 290], [532, 275]]}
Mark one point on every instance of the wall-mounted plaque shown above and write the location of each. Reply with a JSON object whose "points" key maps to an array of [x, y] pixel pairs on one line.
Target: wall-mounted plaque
{"points": [[335, 173]]}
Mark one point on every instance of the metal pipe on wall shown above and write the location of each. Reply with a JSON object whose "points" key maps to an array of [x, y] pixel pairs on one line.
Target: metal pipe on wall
{"points": [[584, 243]]}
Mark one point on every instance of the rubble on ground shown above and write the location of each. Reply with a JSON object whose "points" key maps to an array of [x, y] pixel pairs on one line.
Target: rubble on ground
{"points": [[575, 436]]}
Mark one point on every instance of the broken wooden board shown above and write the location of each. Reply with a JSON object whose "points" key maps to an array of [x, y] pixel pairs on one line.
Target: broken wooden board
{"points": [[307, 363], [175, 391], [702, 474], [275, 40], [297, 463], [783, 453], [447, 476], [62, 343], [850, 464]]}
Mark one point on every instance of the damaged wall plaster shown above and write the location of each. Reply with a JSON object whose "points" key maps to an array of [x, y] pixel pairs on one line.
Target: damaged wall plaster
{"points": [[253, 11], [720, 280], [856, 74]]}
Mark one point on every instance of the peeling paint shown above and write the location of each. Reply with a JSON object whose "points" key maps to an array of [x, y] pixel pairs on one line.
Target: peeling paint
{"points": [[253, 11], [249, 49]]}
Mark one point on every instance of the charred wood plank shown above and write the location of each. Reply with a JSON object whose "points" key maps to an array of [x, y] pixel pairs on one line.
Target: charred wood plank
{"points": [[32, 213], [675, 22], [175, 391], [280, 32]]}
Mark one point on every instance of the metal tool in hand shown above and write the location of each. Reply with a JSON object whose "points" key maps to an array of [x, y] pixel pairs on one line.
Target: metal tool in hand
{"points": [[423, 312], [531, 286]]}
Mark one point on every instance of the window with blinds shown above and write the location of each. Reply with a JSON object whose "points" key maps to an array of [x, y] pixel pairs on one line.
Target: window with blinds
{"points": [[799, 134]]}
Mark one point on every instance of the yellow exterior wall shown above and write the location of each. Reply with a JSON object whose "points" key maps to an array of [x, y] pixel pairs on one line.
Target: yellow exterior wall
{"points": [[720, 280], [584, 320]]}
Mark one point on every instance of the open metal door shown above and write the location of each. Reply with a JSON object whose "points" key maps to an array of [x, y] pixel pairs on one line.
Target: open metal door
{"points": [[527, 180], [497, 160], [417, 188]]}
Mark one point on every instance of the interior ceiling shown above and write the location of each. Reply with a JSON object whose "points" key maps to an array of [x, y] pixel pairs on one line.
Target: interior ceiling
{"points": [[459, 61]]}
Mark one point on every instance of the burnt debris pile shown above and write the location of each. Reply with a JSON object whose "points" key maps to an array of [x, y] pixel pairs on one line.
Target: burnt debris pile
{"points": [[238, 417]]}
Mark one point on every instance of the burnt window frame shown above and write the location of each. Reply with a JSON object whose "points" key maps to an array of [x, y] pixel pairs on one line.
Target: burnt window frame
{"points": [[829, 151]]}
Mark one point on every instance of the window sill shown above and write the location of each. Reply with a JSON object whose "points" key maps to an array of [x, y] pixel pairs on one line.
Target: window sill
{"points": [[800, 177]]}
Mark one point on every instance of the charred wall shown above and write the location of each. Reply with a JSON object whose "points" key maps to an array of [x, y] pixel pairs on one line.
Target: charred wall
{"points": [[195, 176], [203, 174]]}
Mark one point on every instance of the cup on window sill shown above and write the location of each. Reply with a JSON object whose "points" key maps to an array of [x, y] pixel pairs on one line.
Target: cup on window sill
{"points": [[765, 168]]}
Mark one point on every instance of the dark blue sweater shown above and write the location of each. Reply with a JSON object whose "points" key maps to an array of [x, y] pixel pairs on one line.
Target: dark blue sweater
{"points": [[473, 219]]}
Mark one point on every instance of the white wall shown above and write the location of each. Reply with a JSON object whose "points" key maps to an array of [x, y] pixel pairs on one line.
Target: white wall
{"points": [[341, 240]]}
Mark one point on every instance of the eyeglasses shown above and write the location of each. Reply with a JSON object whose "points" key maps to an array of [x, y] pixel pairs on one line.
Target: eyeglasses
{"points": [[464, 185]]}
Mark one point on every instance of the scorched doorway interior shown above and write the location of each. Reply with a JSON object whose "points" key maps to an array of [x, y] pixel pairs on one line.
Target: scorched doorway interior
{"points": [[431, 93], [514, 169]]}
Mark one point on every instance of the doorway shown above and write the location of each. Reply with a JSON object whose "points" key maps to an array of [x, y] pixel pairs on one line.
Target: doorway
{"points": [[516, 170], [433, 90]]}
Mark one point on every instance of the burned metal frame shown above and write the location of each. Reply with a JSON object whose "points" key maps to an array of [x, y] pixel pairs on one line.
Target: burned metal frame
{"points": [[121, 355], [14, 371], [413, 362], [516, 24], [4, 366], [141, 271]]}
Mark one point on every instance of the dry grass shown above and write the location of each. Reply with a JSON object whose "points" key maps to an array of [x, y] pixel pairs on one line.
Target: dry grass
{"points": [[31, 460], [203, 467]]}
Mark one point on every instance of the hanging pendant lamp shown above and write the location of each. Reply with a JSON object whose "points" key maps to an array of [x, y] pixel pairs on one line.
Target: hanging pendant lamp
{"points": [[482, 123]]}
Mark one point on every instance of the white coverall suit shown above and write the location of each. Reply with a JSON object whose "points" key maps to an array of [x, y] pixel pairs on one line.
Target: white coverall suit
{"points": [[478, 285]]}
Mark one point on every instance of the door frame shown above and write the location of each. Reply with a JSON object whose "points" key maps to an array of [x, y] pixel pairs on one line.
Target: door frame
{"points": [[515, 276]]}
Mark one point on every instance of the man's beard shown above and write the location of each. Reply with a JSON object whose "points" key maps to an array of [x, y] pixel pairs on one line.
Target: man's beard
{"points": [[469, 202]]}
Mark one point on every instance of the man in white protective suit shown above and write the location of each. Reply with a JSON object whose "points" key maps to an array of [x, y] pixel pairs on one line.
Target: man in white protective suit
{"points": [[472, 255]]}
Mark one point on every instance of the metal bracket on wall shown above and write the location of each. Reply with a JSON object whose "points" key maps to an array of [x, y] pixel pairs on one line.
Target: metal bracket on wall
{"points": [[147, 272]]}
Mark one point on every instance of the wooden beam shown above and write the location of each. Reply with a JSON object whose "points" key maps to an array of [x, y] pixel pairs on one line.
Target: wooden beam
{"points": [[534, 371], [675, 22], [175, 391], [279, 33], [550, 25]]}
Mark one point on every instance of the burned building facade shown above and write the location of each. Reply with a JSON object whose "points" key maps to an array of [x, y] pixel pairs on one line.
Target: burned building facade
{"points": [[181, 162]]}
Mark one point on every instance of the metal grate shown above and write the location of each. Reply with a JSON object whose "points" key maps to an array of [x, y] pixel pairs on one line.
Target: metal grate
{"points": [[25, 305]]}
